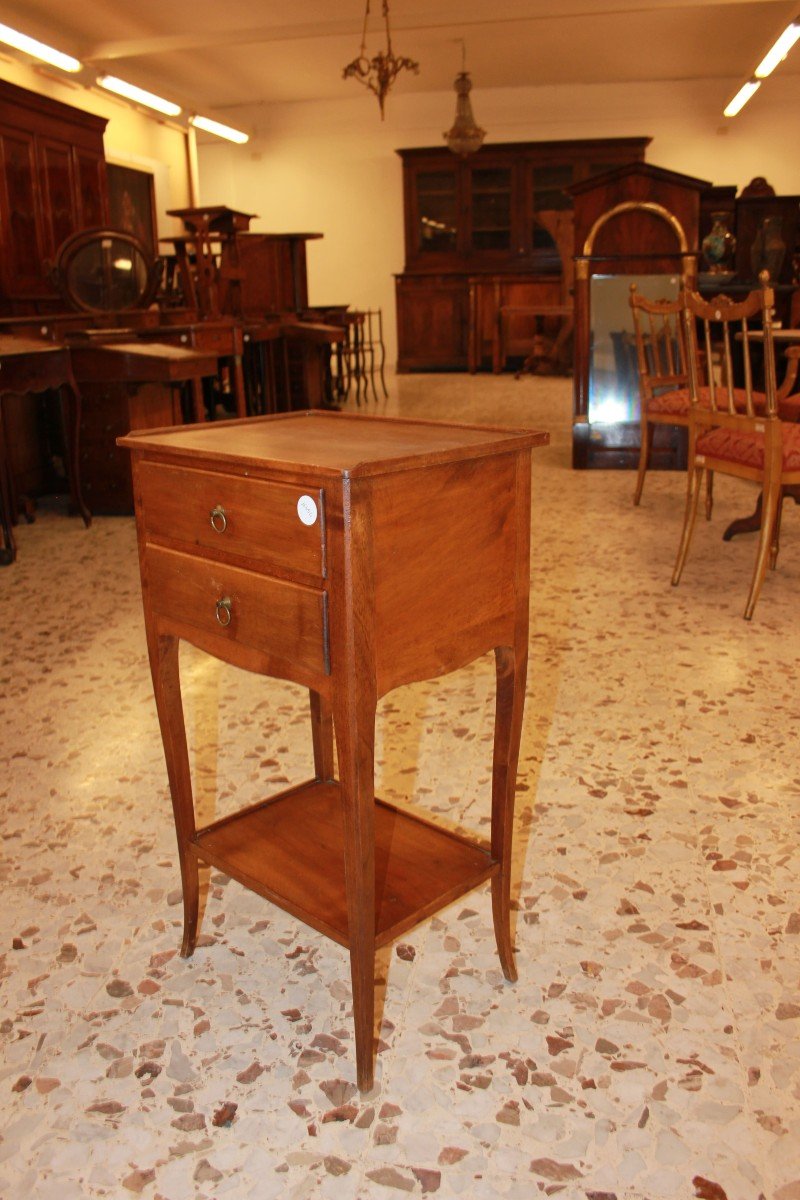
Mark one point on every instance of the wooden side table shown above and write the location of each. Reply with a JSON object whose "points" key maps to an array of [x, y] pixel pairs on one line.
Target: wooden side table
{"points": [[349, 554]]}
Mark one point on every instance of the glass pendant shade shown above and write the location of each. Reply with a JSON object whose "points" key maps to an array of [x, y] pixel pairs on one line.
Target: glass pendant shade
{"points": [[465, 136]]}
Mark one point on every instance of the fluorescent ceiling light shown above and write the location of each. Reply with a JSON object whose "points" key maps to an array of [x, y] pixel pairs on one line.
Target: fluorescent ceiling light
{"points": [[778, 52], [740, 99], [139, 95], [39, 50], [223, 131]]}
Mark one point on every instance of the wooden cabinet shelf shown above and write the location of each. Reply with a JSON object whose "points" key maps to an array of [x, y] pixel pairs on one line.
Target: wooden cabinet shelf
{"points": [[419, 867]]}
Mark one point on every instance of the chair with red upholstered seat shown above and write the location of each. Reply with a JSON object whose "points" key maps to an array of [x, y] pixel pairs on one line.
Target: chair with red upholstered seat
{"points": [[664, 392], [737, 431], [664, 396]]}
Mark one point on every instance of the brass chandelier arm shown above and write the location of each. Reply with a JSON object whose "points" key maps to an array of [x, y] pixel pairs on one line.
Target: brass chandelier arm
{"points": [[378, 73]]}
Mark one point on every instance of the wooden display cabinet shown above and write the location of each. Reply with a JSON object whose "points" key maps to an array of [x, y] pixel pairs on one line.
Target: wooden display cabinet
{"points": [[347, 554], [484, 216], [52, 183]]}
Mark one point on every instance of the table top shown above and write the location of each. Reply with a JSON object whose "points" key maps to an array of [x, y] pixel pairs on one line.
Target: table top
{"points": [[12, 346], [330, 443]]}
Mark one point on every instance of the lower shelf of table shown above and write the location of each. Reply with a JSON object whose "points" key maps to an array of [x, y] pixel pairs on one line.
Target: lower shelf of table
{"points": [[290, 849]]}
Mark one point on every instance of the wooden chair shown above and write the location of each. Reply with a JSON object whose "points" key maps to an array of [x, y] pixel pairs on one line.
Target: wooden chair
{"points": [[737, 432], [664, 391], [664, 395]]}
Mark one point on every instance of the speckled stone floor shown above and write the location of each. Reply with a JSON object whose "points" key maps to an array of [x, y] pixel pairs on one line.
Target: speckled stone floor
{"points": [[650, 1048]]}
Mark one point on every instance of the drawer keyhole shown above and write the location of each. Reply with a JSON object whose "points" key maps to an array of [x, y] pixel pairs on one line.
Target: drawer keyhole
{"points": [[219, 522], [223, 612]]}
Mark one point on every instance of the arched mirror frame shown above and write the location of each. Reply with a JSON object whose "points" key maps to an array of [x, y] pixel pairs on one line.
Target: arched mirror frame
{"points": [[589, 263]]}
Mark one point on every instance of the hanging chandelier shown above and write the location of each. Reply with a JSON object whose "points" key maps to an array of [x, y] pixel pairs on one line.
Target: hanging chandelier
{"points": [[465, 136], [378, 73]]}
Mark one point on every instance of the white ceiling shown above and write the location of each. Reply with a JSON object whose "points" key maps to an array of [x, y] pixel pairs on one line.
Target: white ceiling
{"points": [[223, 57]]}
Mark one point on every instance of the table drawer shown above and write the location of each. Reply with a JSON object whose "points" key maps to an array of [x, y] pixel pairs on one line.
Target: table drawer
{"points": [[211, 341], [287, 621], [255, 518]]}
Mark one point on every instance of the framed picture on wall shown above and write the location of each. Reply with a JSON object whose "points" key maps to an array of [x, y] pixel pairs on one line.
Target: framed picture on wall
{"points": [[132, 203]]}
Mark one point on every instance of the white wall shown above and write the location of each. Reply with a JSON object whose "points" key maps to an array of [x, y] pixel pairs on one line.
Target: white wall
{"points": [[331, 168]]}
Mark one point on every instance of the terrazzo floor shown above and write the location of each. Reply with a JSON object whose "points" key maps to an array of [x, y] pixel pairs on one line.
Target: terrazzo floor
{"points": [[650, 1048]]}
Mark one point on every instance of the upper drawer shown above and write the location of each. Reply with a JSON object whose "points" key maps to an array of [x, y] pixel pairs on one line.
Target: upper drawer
{"points": [[255, 518]]}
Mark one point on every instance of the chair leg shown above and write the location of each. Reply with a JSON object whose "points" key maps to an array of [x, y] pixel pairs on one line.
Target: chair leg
{"points": [[776, 534], [695, 483], [709, 494], [644, 457], [769, 513]]}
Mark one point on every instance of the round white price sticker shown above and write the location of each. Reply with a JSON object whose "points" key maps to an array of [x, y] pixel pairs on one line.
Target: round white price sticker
{"points": [[307, 510]]}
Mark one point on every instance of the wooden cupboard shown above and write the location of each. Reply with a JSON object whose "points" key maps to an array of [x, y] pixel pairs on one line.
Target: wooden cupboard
{"points": [[52, 183], [471, 221]]}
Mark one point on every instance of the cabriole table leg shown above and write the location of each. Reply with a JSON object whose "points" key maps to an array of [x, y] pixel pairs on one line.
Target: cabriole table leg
{"points": [[167, 688], [511, 673]]}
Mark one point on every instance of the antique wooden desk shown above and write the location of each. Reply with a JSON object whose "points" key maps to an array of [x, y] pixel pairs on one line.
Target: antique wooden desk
{"points": [[351, 555], [27, 366], [127, 385]]}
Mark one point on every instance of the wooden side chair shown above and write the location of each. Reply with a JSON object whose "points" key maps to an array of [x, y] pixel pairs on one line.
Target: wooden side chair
{"points": [[664, 395], [664, 391], [737, 431]]}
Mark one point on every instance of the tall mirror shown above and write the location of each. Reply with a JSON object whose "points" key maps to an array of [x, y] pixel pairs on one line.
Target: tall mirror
{"points": [[613, 375], [636, 225]]}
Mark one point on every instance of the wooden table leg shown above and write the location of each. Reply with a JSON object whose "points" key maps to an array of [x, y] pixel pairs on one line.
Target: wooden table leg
{"points": [[8, 550], [71, 416], [354, 722], [163, 652], [752, 524], [511, 674], [198, 400], [239, 390], [322, 736]]}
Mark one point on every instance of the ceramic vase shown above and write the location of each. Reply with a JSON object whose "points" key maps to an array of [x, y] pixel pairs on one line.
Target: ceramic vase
{"points": [[719, 245]]}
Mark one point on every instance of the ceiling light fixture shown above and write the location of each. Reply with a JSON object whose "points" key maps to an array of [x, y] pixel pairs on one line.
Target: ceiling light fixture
{"points": [[465, 136], [220, 130], [740, 99], [779, 51], [773, 58], [130, 92], [29, 45], [378, 73]]}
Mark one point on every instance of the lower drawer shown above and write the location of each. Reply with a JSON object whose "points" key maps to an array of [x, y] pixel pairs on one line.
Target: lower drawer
{"points": [[286, 621]]}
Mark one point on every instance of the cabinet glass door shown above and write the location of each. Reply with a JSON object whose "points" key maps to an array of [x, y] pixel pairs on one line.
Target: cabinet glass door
{"points": [[550, 200], [491, 209], [437, 211]]}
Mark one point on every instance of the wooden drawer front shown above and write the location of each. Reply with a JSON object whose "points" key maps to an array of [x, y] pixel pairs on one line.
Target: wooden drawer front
{"points": [[212, 341], [284, 620], [260, 518]]}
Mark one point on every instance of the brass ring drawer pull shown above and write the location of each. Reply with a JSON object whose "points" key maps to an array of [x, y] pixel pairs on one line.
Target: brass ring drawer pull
{"points": [[219, 522], [223, 611]]}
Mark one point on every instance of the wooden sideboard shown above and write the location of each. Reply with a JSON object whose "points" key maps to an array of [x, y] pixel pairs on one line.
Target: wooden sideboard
{"points": [[349, 555], [490, 215]]}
